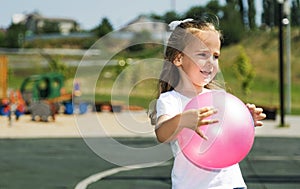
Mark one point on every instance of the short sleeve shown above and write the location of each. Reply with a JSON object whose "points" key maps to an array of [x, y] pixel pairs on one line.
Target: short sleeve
{"points": [[168, 104]]}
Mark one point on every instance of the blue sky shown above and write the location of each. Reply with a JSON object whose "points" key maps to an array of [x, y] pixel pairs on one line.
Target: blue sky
{"points": [[89, 13]]}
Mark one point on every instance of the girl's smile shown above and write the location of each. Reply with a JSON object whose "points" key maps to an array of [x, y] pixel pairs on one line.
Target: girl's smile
{"points": [[200, 58]]}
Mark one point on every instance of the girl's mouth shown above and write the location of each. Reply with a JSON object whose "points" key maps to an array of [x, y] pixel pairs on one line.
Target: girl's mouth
{"points": [[206, 73]]}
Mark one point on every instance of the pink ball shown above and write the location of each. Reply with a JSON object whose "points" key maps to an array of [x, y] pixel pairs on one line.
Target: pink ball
{"points": [[229, 140]]}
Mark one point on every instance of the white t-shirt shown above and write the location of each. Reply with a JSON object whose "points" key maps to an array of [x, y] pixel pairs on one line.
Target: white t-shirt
{"points": [[185, 174]]}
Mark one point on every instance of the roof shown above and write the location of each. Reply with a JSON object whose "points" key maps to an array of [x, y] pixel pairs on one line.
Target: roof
{"points": [[38, 16]]}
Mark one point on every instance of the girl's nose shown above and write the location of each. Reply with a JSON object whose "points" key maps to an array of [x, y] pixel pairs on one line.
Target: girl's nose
{"points": [[208, 65]]}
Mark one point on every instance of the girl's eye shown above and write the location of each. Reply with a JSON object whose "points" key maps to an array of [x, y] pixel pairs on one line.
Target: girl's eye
{"points": [[204, 55]]}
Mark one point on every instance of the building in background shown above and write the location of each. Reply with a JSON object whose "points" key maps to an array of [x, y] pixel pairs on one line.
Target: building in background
{"points": [[36, 24], [144, 25]]}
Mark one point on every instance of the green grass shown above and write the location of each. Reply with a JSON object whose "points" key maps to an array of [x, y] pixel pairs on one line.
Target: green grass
{"points": [[262, 49]]}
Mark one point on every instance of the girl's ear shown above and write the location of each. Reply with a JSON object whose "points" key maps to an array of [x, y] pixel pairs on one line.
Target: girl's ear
{"points": [[178, 60]]}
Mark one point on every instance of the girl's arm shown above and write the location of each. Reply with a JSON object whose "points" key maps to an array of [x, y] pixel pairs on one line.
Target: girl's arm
{"points": [[168, 127]]}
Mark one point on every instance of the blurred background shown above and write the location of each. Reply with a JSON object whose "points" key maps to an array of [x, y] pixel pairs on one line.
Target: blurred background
{"points": [[37, 38]]}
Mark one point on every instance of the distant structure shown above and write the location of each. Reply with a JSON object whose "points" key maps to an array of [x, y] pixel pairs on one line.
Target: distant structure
{"points": [[35, 23], [146, 24], [157, 29]]}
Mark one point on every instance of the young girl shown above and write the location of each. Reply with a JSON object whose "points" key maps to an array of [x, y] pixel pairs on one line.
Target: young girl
{"points": [[191, 63]]}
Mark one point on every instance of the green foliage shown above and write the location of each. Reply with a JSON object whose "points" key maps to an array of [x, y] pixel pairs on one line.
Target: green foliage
{"points": [[76, 43], [156, 16], [244, 70], [122, 64], [214, 7], [55, 65], [103, 28], [2, 39], [231, 24], [195, 12], [149, 50], [139, 40], [58, 66], [49, 27], [15, 36], [170, 16]]}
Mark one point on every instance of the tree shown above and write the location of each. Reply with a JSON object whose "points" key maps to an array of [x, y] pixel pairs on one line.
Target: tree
{"points": [[170, 16], [242, 12], [14, 37], [246, 12], [251, 14], [2, 39], [295, 13], [103, 28], [155, 16], [55, 65], [244, 70], [213, 7], [195, 12], [270, 13], [233, 33], [228, 15]]}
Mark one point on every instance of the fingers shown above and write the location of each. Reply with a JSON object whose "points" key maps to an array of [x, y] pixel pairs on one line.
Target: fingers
{"points": [[254, 110], [257, 114], [258, 110], [251, 107], [206, 112], [210, 121], [200, 133], [261, 116], [259, 123]]}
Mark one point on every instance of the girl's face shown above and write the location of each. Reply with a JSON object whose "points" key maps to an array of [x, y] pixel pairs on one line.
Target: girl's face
{"points": [[200, 58]]}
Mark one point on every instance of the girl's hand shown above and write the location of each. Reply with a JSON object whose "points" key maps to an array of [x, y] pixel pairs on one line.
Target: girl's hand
{"points": [[197, 117], [257, 114]]}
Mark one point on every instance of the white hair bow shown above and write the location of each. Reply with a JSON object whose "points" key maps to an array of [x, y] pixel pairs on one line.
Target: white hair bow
{"points": [[175, 23]]}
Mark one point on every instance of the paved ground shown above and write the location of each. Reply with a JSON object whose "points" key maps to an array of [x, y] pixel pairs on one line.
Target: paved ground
{"points": [[273, 163], [125, 124], [65, 163]]}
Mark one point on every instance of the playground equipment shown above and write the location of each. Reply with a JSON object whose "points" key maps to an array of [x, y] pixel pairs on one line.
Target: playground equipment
{"points": [[3, 78], [11, 103], [43, 95]]}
